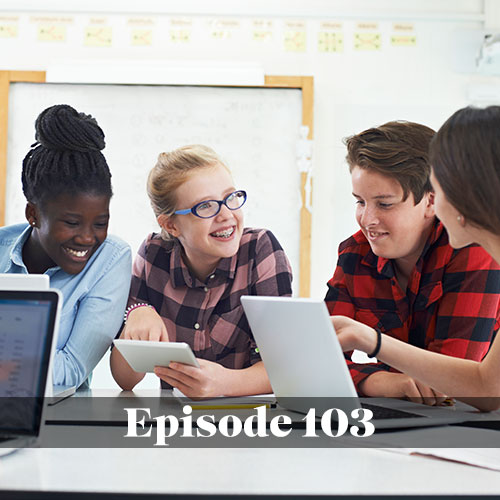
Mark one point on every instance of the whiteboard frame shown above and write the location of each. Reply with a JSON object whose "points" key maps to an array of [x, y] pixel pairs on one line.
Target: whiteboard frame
{"points": [[303, 83]]}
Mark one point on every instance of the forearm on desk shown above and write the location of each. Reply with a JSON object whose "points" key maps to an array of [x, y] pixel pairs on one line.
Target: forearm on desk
{"points": [[247, 381], [453, 376]]}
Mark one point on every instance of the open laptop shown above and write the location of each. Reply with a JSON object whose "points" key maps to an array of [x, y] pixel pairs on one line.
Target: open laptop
{"points": [[34, 282], [306, 365], [28, 329]]}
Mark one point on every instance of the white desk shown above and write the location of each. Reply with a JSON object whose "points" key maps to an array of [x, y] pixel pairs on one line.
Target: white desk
{"points": [[241, 471]]}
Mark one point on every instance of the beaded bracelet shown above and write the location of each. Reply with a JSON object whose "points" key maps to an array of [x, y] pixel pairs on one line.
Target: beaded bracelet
{"points": [[134, 306], [379, 344]]}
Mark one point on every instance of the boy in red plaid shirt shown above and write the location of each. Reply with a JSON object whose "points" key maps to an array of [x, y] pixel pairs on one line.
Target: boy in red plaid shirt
{"points": [[398, 273]]}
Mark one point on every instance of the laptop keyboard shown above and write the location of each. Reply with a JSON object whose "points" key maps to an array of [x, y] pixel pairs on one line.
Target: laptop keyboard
{"points": [[380, 412]]}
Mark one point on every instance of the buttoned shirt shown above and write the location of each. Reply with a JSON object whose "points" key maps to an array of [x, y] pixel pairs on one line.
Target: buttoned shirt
{"points": [[207, 314], [93, 301], [451, 304]]}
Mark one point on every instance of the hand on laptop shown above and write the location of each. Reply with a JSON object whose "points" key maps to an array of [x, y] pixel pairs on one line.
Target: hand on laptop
{"points": [[399, 385], [205, 381], [144, 323], [354, 335]]}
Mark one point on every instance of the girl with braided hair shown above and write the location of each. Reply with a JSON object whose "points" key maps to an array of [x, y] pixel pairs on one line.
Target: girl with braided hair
{"points": [[67, 185]]}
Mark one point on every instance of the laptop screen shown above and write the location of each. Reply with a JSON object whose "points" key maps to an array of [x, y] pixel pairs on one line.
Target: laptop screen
{"points": [[27, 321]]}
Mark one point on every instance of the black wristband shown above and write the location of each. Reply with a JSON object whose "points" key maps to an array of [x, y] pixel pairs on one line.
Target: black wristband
{"points": [[379, 344]]}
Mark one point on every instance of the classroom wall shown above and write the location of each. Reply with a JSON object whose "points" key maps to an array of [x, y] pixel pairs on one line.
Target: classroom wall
{"points": [[371, 61]]}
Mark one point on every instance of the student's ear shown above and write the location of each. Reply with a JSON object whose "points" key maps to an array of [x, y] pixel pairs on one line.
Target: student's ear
{"points": [[429, 205], [32, 214], [167, 222]]}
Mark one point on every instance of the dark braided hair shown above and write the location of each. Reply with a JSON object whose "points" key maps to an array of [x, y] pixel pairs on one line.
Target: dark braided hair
{"points": [[67, 158]]}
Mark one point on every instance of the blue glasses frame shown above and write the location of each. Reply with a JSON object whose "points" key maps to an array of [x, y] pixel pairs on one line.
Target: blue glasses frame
{"points": [[194, 209]]}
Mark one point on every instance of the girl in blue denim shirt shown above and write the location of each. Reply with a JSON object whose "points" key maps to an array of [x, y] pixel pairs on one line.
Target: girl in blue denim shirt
{"points": [[67, 184]]}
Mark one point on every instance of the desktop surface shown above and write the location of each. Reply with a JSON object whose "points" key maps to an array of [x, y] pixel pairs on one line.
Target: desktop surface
{"points": [[241, 471]]}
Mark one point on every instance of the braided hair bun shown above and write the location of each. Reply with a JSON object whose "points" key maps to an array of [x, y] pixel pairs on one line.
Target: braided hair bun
{"points": [[62, 128], [67, 158]]}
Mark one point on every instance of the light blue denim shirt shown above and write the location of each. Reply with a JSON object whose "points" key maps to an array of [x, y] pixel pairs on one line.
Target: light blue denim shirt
{"points": [[93, 306]]}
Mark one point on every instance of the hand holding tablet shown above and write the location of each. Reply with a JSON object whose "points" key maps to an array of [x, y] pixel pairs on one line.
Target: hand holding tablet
{"points": [[144, 355]]}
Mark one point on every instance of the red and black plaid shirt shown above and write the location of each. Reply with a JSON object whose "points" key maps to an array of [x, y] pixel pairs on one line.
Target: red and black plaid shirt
{"points": [[451, 305]]}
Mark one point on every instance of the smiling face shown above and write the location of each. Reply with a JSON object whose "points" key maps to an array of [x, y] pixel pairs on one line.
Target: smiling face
{"points": [[395, 229], [67, 231], [205, 241]]}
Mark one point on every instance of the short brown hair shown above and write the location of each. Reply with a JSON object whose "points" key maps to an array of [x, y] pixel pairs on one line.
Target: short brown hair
{"points": [[397, 149], [465, 159]]}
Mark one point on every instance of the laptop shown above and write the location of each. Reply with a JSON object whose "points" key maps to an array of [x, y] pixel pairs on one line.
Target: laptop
{"points": [[9, 281], [306, 365], [28, 330], [21, 281]]}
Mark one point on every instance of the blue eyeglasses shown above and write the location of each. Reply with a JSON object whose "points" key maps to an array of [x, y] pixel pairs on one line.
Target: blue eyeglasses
{"points": [[210, 208]]}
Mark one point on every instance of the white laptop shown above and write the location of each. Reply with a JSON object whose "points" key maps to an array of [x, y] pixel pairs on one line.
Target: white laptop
{"points": [[28, 327], [9, 281], [306, 365]]}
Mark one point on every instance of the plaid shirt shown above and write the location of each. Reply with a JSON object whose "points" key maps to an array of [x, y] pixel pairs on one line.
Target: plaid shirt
{"points": [[208, 315], [451, 304]]}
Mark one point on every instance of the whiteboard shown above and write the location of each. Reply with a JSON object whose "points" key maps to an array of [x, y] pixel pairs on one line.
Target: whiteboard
{"points": [[254, 130]]}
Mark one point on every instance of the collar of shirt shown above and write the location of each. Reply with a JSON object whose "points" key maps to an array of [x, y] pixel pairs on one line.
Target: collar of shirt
{"points": [[384, 266], [16, 253], [182, 275]]}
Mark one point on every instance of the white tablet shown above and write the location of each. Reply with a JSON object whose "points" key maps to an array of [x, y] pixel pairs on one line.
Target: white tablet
{"points": [[144, 355]]}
